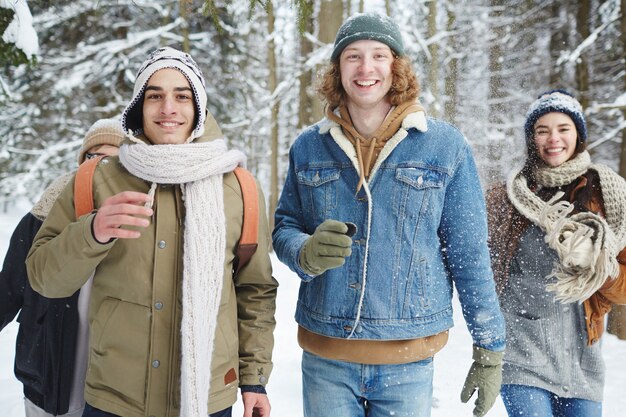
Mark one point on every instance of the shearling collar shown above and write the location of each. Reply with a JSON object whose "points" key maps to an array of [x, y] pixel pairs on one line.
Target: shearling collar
{"points": [[415, 120]]}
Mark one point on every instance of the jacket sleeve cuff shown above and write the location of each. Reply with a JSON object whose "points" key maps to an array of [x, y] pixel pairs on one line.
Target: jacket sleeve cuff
{"points": [[89, 235], [257, 389], [487, 357], [294, 256]]}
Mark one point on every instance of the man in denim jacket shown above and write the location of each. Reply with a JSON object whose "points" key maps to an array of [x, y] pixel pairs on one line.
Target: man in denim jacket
{"points": [[375, 300]]}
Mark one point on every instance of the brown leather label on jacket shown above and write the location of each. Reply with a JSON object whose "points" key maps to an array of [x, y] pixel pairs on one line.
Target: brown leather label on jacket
{"points": [[231, 376]]}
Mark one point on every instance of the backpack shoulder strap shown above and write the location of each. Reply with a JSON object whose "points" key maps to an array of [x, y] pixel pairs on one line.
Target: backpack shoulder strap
{"points": [[83, 186], [249, 231]]}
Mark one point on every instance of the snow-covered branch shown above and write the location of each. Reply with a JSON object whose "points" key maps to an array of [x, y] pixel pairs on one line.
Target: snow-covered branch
{"points": [[20, 31], [575, 54]]}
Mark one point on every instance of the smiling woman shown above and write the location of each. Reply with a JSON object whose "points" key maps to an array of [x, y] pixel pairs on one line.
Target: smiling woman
{"points": [[557, 233]]}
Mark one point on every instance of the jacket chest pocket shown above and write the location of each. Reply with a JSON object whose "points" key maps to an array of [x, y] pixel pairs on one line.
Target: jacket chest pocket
{"points": [[318, 191], [413, 192]]}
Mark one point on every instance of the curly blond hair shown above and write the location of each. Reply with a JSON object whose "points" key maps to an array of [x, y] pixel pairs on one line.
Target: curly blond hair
{"points": [[404, 87]]}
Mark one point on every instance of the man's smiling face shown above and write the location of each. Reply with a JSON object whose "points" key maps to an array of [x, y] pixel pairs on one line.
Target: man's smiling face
{"points": [[168, 108]]}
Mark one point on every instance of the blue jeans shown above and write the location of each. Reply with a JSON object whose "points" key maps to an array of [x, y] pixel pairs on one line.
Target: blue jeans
{"points": [[355, 390], [94, 412], [527, 401]]}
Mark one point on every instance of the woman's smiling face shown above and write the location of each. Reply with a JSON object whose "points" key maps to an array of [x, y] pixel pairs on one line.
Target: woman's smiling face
{"points": [[555, 138]]}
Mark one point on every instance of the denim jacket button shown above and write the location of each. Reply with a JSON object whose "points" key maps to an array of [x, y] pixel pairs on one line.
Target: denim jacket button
{"points": [[420, 180]]}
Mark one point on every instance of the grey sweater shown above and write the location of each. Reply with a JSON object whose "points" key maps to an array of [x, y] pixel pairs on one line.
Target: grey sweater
{"points": [[546, 340]]}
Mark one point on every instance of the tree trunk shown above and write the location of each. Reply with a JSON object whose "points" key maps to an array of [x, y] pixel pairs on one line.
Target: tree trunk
{"points": [[622, 163], [331, 13], [496, 95], [306, 91], [557, 42], [272, 83], [451, 73], [184, 6], [433, 70], [617, 316], [582, 67]]}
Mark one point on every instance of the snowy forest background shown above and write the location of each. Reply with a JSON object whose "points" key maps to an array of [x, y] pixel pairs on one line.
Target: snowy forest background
{"points": [[66, 63], [480, 62]]}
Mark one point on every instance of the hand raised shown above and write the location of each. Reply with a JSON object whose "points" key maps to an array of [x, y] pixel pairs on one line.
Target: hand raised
{"points": [[122, 209]]}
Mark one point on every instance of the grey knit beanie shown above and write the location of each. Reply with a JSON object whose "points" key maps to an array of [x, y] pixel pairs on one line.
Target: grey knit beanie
{"points": [[132, 117], [559, 101], [368, 26], [102, 132]]}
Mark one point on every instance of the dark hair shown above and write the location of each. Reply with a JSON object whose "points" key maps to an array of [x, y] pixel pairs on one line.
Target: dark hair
{"points": [[404, 86]]}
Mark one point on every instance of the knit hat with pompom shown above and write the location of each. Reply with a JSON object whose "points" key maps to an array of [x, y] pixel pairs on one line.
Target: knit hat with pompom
{"points": [[559, 101]]}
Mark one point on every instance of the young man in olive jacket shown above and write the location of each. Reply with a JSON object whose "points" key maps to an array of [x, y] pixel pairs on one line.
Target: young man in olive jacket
{"points": [[50, 350], [172, 331]]}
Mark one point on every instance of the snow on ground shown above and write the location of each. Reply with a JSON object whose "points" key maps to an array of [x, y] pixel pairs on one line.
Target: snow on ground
{"points": [[451, 364]]}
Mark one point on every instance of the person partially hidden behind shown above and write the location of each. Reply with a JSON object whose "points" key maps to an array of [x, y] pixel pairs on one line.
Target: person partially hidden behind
{"points": [[51, 345]]}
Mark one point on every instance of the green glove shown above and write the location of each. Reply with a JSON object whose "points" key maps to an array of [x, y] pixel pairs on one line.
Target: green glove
{"points": [[485, 375], [327, 248]]}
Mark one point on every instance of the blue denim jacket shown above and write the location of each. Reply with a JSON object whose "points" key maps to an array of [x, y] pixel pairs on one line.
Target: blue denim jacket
{"points": [[421, 226]]}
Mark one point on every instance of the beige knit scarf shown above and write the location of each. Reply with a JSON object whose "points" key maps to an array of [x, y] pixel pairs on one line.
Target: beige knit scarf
{"points": [[198, 168], [565, 231]]}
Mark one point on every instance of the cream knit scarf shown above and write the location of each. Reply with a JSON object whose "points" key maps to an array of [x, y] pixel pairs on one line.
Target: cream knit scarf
{"points": [[199, 168], [565, 231]]}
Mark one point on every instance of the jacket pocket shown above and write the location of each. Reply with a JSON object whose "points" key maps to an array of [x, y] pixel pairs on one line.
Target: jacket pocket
{"points": [[525, 344], [223, 361], [119, 340], [413, 190], [420, 178], [591, 358], [30, 347], [318, 190]]}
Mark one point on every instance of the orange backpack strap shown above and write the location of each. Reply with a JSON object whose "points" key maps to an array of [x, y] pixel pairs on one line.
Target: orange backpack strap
{"points": [[250, 229], [83, 186]]}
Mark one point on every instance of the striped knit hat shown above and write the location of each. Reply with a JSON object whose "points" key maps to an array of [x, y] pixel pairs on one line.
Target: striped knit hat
{"points": [[102, 132], [132, 117], [559, 101]]}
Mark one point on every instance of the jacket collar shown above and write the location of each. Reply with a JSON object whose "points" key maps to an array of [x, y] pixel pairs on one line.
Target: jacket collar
{"points": [[415, 120]]}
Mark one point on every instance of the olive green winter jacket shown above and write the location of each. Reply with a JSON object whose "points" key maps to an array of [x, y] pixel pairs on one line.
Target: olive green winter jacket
{"points": [[136, 306]]}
